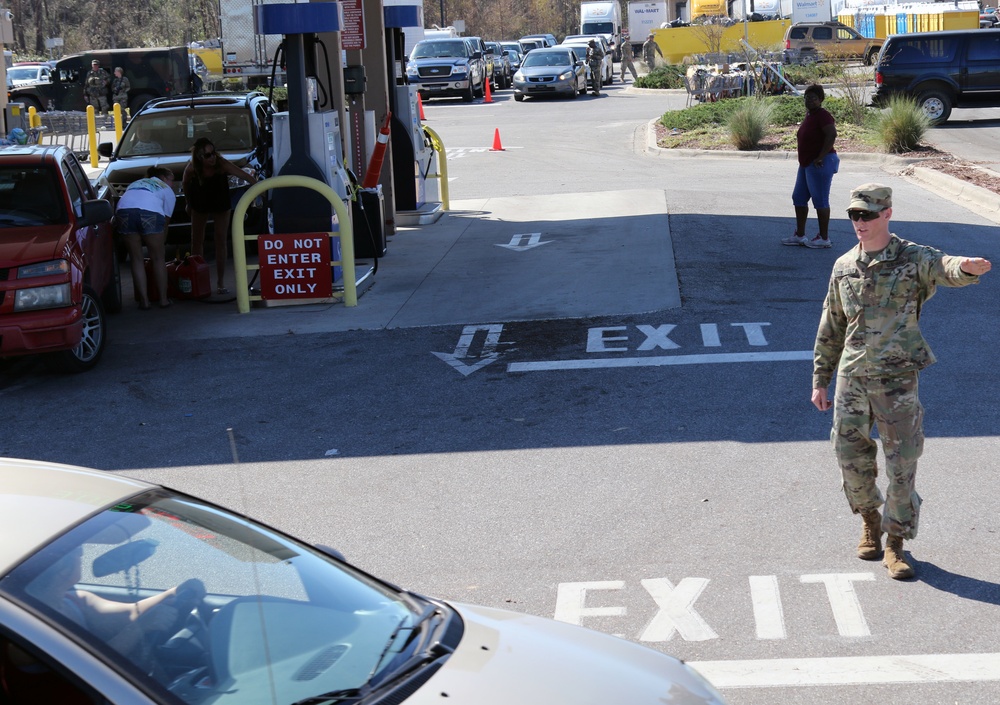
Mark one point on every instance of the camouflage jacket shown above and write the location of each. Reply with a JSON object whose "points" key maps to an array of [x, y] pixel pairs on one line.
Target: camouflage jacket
{"points": [[871, 316], [97, 81]]}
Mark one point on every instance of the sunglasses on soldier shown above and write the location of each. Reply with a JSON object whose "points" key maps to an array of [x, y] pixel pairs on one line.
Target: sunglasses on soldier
{"points": [[866, 216]]}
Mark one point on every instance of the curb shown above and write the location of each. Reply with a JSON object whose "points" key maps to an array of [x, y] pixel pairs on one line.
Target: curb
{"points": [[889, 160], [981, 200]]}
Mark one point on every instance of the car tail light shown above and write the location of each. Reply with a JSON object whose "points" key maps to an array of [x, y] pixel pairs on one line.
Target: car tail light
{"points": [[788, 43], [878, 78]]}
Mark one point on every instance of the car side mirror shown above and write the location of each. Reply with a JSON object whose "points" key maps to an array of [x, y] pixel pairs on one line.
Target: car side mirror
{"points": [[477, 55], [105, 149], [330, 551], [96, 211]]}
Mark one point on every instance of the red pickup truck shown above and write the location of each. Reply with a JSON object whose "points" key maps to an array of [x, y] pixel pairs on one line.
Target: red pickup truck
{"points": [[58, 271]]}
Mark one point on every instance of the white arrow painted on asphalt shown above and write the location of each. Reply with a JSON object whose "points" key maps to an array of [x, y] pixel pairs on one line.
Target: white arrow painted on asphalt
{"points": [[489, 352], [531, 240]]}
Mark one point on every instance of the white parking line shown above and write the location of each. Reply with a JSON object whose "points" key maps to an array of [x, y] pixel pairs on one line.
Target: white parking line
{"points": [[717, 358], [851, 670]]}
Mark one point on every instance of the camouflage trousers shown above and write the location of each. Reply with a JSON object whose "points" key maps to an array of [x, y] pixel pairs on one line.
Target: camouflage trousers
{"points": [[627, 63], [891, 404], [99, 101]]}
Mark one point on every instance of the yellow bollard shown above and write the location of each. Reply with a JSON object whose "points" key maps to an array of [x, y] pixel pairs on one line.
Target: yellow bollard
{"points": [[118, 123], [92, 135]]}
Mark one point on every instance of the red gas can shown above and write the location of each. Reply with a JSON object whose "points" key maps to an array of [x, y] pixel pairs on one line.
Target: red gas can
{"points": [[193, 280], [151, 291]]}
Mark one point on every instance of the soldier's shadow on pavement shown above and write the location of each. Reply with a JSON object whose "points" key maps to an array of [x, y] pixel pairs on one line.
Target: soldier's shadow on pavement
{"points": [[959, 585]]}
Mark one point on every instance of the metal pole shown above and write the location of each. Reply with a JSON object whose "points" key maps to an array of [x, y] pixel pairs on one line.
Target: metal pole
{"points": [[443, 23]]}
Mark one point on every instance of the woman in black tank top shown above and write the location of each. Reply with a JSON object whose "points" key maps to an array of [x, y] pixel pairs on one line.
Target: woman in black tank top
{"points": [[206, 188]]}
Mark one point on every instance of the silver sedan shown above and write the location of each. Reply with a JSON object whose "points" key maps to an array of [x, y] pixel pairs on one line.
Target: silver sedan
{"points": [[550, 71]]}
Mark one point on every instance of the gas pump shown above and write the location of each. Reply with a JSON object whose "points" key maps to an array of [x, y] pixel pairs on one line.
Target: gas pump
{"points": [[307, 143], [412, 158]]}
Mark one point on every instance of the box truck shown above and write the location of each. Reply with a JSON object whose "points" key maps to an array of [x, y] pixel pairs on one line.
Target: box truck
{"points": [[603, 18], [643, 18]]}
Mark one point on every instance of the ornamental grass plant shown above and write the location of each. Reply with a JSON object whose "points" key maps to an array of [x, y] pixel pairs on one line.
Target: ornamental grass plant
{"points": [[748, 123], [902, 125]]}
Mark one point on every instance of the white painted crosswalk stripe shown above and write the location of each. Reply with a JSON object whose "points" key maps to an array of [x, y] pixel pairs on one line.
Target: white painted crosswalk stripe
{"points": [[851, 670]]}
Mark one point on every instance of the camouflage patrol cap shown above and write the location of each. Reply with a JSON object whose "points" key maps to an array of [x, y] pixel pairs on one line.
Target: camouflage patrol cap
{"points": [[870, 197]]}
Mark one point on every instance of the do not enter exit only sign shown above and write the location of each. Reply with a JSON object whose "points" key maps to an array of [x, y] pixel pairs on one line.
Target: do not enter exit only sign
{"points": [[295, 266]]}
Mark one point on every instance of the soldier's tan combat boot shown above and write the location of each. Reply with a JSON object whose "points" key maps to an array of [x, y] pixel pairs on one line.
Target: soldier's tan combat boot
{"points": [[870, 546], [894, 561]]}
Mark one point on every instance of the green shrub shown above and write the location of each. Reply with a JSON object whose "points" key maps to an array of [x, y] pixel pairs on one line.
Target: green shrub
{"points": [[666, 76], [812, 73], [901, 125], [748, 123]]}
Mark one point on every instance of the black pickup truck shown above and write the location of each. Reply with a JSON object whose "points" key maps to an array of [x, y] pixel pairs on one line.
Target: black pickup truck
{"points": [[152, 73]]}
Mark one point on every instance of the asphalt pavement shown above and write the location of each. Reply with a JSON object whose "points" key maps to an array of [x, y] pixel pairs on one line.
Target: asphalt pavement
{"points": [[460, 269]]}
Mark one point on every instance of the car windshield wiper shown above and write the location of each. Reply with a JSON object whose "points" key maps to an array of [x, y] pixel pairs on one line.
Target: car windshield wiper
{"points": [[356, 694]]}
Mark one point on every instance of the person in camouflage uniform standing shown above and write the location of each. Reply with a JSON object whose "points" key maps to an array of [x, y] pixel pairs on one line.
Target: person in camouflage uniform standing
{"points": [[869, 335], [120, 87], [595, 59], [97, 82], [649, 50], [626, 62]]}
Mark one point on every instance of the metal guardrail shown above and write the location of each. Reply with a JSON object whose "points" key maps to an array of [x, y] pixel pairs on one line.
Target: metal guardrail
{"points": [[345, 232], [438, 146]]}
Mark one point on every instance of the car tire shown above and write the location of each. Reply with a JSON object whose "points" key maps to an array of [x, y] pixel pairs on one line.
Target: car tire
{"points": [[469, 94], [112, 297], [481, 91], [936, 105], [871, 56], [95, 332], [518, 97]]}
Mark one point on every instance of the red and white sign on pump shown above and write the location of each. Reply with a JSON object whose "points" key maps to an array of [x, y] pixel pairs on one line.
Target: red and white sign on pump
{"points": [[295, 266], [353, 34]]}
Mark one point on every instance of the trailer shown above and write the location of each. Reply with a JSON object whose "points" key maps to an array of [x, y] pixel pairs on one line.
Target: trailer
{"points": [[643, 18], [604, 17], [246, 54]]}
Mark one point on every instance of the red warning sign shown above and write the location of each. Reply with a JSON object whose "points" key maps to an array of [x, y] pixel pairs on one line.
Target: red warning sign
{"points": [[295, 266]]}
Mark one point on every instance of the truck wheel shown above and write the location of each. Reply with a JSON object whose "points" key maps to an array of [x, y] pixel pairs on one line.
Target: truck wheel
{"points": [[86, 354], [936, 105], [30, 103], [871, 56], [136, 103], [518, 97], [468, 95]]}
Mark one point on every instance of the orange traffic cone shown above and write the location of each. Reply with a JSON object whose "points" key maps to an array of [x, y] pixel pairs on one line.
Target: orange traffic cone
{"points": [[489, 97], [420, 106], [497, 147]]}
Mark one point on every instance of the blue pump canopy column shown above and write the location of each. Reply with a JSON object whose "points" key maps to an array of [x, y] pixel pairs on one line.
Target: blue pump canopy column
{"points": [[299, 210]]}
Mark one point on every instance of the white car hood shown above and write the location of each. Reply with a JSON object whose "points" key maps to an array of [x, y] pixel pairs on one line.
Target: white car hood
{"points": [[506, 657]]}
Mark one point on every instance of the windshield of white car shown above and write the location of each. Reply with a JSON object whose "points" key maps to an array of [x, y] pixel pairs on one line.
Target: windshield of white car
{"points": [[272, 617]]}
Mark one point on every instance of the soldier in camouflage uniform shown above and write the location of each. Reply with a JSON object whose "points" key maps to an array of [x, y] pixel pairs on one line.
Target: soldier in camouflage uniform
{"points": [[595, 59], [626, 63], [869, 335], [96, 83], [120, 87], [649, 51]]}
